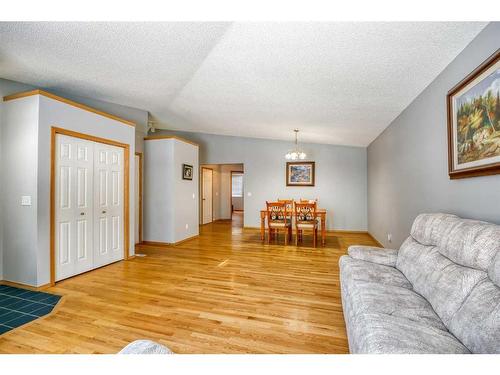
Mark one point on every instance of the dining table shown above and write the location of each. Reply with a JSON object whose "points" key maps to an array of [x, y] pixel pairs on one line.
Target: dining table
{"points": [[321, 212]]}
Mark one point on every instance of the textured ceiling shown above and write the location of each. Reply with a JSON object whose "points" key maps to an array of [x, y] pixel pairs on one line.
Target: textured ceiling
{"points": [[339, 83]]}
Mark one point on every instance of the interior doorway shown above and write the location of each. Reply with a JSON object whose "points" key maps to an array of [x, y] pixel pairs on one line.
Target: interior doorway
{"points": [[227, 193], [237, 191]]}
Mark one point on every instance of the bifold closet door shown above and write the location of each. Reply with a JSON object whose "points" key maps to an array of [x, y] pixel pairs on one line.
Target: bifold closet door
{"points": [[89, 205], [108, 204], [74, 191]]}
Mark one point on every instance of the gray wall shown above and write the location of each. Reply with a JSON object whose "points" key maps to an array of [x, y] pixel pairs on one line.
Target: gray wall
{"points": [[341, 173], [408, 162], [170, 203], [6, 88]]}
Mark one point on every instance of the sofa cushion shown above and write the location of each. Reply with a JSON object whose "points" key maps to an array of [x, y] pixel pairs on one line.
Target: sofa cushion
{"points": [[477, 322], [494, 270], [471, 243], [384, 333], [356, 269], [442, 282], [428, 229], [379, 255], [368, 297]]}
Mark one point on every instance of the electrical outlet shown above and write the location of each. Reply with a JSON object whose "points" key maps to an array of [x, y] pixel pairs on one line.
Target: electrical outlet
{"points": [[249, 194], [389, 237], [26, 200]]}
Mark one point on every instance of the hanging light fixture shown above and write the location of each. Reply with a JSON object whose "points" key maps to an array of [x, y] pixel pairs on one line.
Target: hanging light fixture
{"points": [[296, 153]]}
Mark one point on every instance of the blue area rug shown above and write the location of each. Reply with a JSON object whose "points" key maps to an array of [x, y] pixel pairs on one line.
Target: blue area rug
{"points": [[20, 306]]}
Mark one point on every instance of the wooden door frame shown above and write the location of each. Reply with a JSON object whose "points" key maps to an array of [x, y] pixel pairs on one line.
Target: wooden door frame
{"points": [[139, 154], [231, 190], [201, 184], [126, 166]]}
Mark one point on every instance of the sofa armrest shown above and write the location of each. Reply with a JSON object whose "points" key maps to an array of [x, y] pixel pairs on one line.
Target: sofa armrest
{"points": [[379, 255]]}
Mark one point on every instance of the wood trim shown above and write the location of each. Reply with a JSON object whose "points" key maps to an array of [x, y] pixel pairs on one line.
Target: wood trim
{"points": [[67, 101], [484, 170], [231, 190], [160, 137], [301, 162], [168, 244], [346, 231], [24, 286], [140, 194], [375, 240], [126, 181], [201, 185]]}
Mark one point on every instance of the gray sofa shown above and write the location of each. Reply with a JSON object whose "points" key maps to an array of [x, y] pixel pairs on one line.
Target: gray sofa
{"points": [[439, 293]]}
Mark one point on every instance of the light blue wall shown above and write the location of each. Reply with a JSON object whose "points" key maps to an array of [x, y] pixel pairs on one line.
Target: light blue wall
{"points": [[340, 175], [408, 162], [6, 88]]}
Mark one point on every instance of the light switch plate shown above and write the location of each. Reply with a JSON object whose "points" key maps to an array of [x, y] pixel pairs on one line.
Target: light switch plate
{"points": [[249, 194], [26, 200]]}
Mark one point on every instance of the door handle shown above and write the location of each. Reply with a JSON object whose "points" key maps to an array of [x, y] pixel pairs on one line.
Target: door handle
{"points": [[82, 213], [203, 199], [103, 212]]}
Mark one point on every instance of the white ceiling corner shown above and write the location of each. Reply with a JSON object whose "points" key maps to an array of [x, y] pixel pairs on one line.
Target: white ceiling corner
{"points": [[339, 83]]}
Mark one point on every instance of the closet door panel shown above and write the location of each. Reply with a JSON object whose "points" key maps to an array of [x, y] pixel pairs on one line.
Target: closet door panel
{"points": [[108, 211], [74, 213]]}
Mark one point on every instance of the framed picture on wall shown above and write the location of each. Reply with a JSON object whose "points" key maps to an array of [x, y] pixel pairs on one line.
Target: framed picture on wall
{"points": [[300, 173], [187, 172], [474, 122]]}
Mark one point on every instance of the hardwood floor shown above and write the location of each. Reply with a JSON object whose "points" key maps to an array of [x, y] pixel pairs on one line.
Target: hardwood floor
{"points": [[223, 292]]}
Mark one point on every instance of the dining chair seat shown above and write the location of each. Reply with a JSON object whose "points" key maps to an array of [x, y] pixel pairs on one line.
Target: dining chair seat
{"points": [[281, 225], [311, 225]]}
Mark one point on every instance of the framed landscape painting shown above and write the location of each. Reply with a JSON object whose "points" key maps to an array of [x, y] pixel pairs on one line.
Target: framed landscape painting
{"points": [[300, 173], [474, 122]]}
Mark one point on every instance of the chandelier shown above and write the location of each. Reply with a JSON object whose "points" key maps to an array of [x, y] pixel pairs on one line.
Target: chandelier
{"points": [[296, 153]]}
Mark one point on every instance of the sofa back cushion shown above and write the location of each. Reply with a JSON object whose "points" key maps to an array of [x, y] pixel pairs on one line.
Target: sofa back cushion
{"points": [[471, 243], [428, 229], [455, 263], [439, 280], [477, 322]]}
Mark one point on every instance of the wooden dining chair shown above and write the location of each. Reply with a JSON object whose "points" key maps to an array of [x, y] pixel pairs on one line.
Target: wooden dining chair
{"points": [[278, 217], [306, 218]]}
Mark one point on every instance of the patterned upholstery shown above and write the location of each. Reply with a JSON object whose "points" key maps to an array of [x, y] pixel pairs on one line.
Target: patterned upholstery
{"points": [[305, 213], [145, 347], [452, 264], [277, 213]]}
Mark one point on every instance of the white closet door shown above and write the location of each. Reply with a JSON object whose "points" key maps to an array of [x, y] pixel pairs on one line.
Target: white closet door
{"points": [[74, 206], [108, 204]]}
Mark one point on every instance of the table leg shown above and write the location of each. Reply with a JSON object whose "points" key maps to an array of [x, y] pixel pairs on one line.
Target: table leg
{"points": [[323, 230], [262, 227]]}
